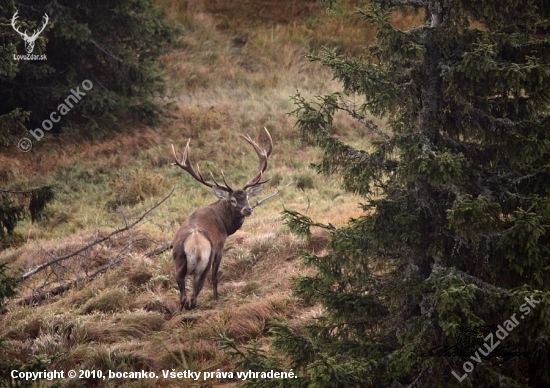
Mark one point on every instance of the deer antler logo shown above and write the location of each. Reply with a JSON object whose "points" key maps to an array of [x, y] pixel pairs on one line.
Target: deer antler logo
{"points": [[29, 40]]}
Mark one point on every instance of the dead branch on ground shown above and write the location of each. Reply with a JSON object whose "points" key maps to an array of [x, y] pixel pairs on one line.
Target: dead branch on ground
{"points": [[82, 263]]}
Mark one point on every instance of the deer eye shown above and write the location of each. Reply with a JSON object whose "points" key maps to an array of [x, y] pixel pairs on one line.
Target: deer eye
{"points": [[233, 201]]}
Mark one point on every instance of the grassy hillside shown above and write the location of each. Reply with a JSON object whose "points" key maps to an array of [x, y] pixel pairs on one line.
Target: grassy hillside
{"points": [[233, 71]]}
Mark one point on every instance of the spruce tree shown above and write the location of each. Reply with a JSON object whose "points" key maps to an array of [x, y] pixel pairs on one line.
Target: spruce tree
{"points": [[115, 45], [456, 231], [15, 205]]}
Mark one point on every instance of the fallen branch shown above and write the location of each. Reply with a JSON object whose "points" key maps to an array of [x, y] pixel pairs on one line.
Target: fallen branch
{"points": [[37, 298], [99, 240], [159, 250], [258, 203], [29, 191]]}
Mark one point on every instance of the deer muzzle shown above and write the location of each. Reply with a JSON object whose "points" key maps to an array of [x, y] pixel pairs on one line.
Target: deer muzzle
{"points": [[246, 211]]}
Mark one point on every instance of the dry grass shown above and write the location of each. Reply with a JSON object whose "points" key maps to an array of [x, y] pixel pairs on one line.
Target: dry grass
{"points": [[232, 72]]}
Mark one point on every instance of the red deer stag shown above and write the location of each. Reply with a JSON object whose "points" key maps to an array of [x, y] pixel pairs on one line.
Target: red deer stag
{"points": [[199, 242]]}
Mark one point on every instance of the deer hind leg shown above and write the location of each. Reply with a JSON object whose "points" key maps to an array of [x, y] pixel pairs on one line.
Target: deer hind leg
{"points": [[198, 250], [180, 260], [215, 267], [180, 276], [198, 282]]}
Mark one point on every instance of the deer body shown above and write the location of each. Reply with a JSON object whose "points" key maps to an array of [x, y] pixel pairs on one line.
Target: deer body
{"points": [[199, 242], [198, 245]]}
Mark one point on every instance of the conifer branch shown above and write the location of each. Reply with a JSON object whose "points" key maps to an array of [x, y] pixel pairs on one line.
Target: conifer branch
{"points": [[440, 272], [368, 124], [92, 41]]}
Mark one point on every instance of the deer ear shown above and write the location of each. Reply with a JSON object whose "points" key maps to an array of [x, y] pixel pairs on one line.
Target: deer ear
{"points": [[221, 194], [254, 191]]}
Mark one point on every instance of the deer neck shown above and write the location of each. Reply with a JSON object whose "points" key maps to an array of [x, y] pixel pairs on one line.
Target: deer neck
{"points": [[231, 219]]}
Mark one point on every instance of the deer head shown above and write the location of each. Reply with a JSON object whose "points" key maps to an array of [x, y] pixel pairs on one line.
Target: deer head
{"points": [[29, 40], [237, 198]]}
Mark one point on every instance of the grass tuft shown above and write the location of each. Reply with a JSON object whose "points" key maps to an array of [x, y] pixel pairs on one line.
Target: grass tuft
{"points": [[106, 301], [133, 188]]}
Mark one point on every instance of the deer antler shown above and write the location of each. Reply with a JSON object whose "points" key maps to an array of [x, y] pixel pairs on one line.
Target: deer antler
{"points": [[255, 181], [262, 159], [186, 165]]}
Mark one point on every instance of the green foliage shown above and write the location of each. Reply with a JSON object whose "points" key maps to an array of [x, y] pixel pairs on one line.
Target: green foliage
{"points": [[465, 221], [252, 358], [38, 201], [7, 285], [456, 232], [16, 204], [115, 45], [12, 123], [10, 215], [452, 300], [7, 290], [304, 181], [37, 364]]}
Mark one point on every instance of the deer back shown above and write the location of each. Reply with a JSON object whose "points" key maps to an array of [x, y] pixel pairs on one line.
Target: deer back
{"points": [[215, 221]]}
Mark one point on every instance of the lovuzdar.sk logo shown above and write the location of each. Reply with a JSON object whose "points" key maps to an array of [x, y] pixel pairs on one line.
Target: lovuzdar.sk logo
{"points": [[29, 40]]}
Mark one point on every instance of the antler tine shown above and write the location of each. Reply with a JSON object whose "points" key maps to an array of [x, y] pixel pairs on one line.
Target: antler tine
{"points": [[186, 165], [225, 182], [260, 182], [225, 186], [262, 159]]}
